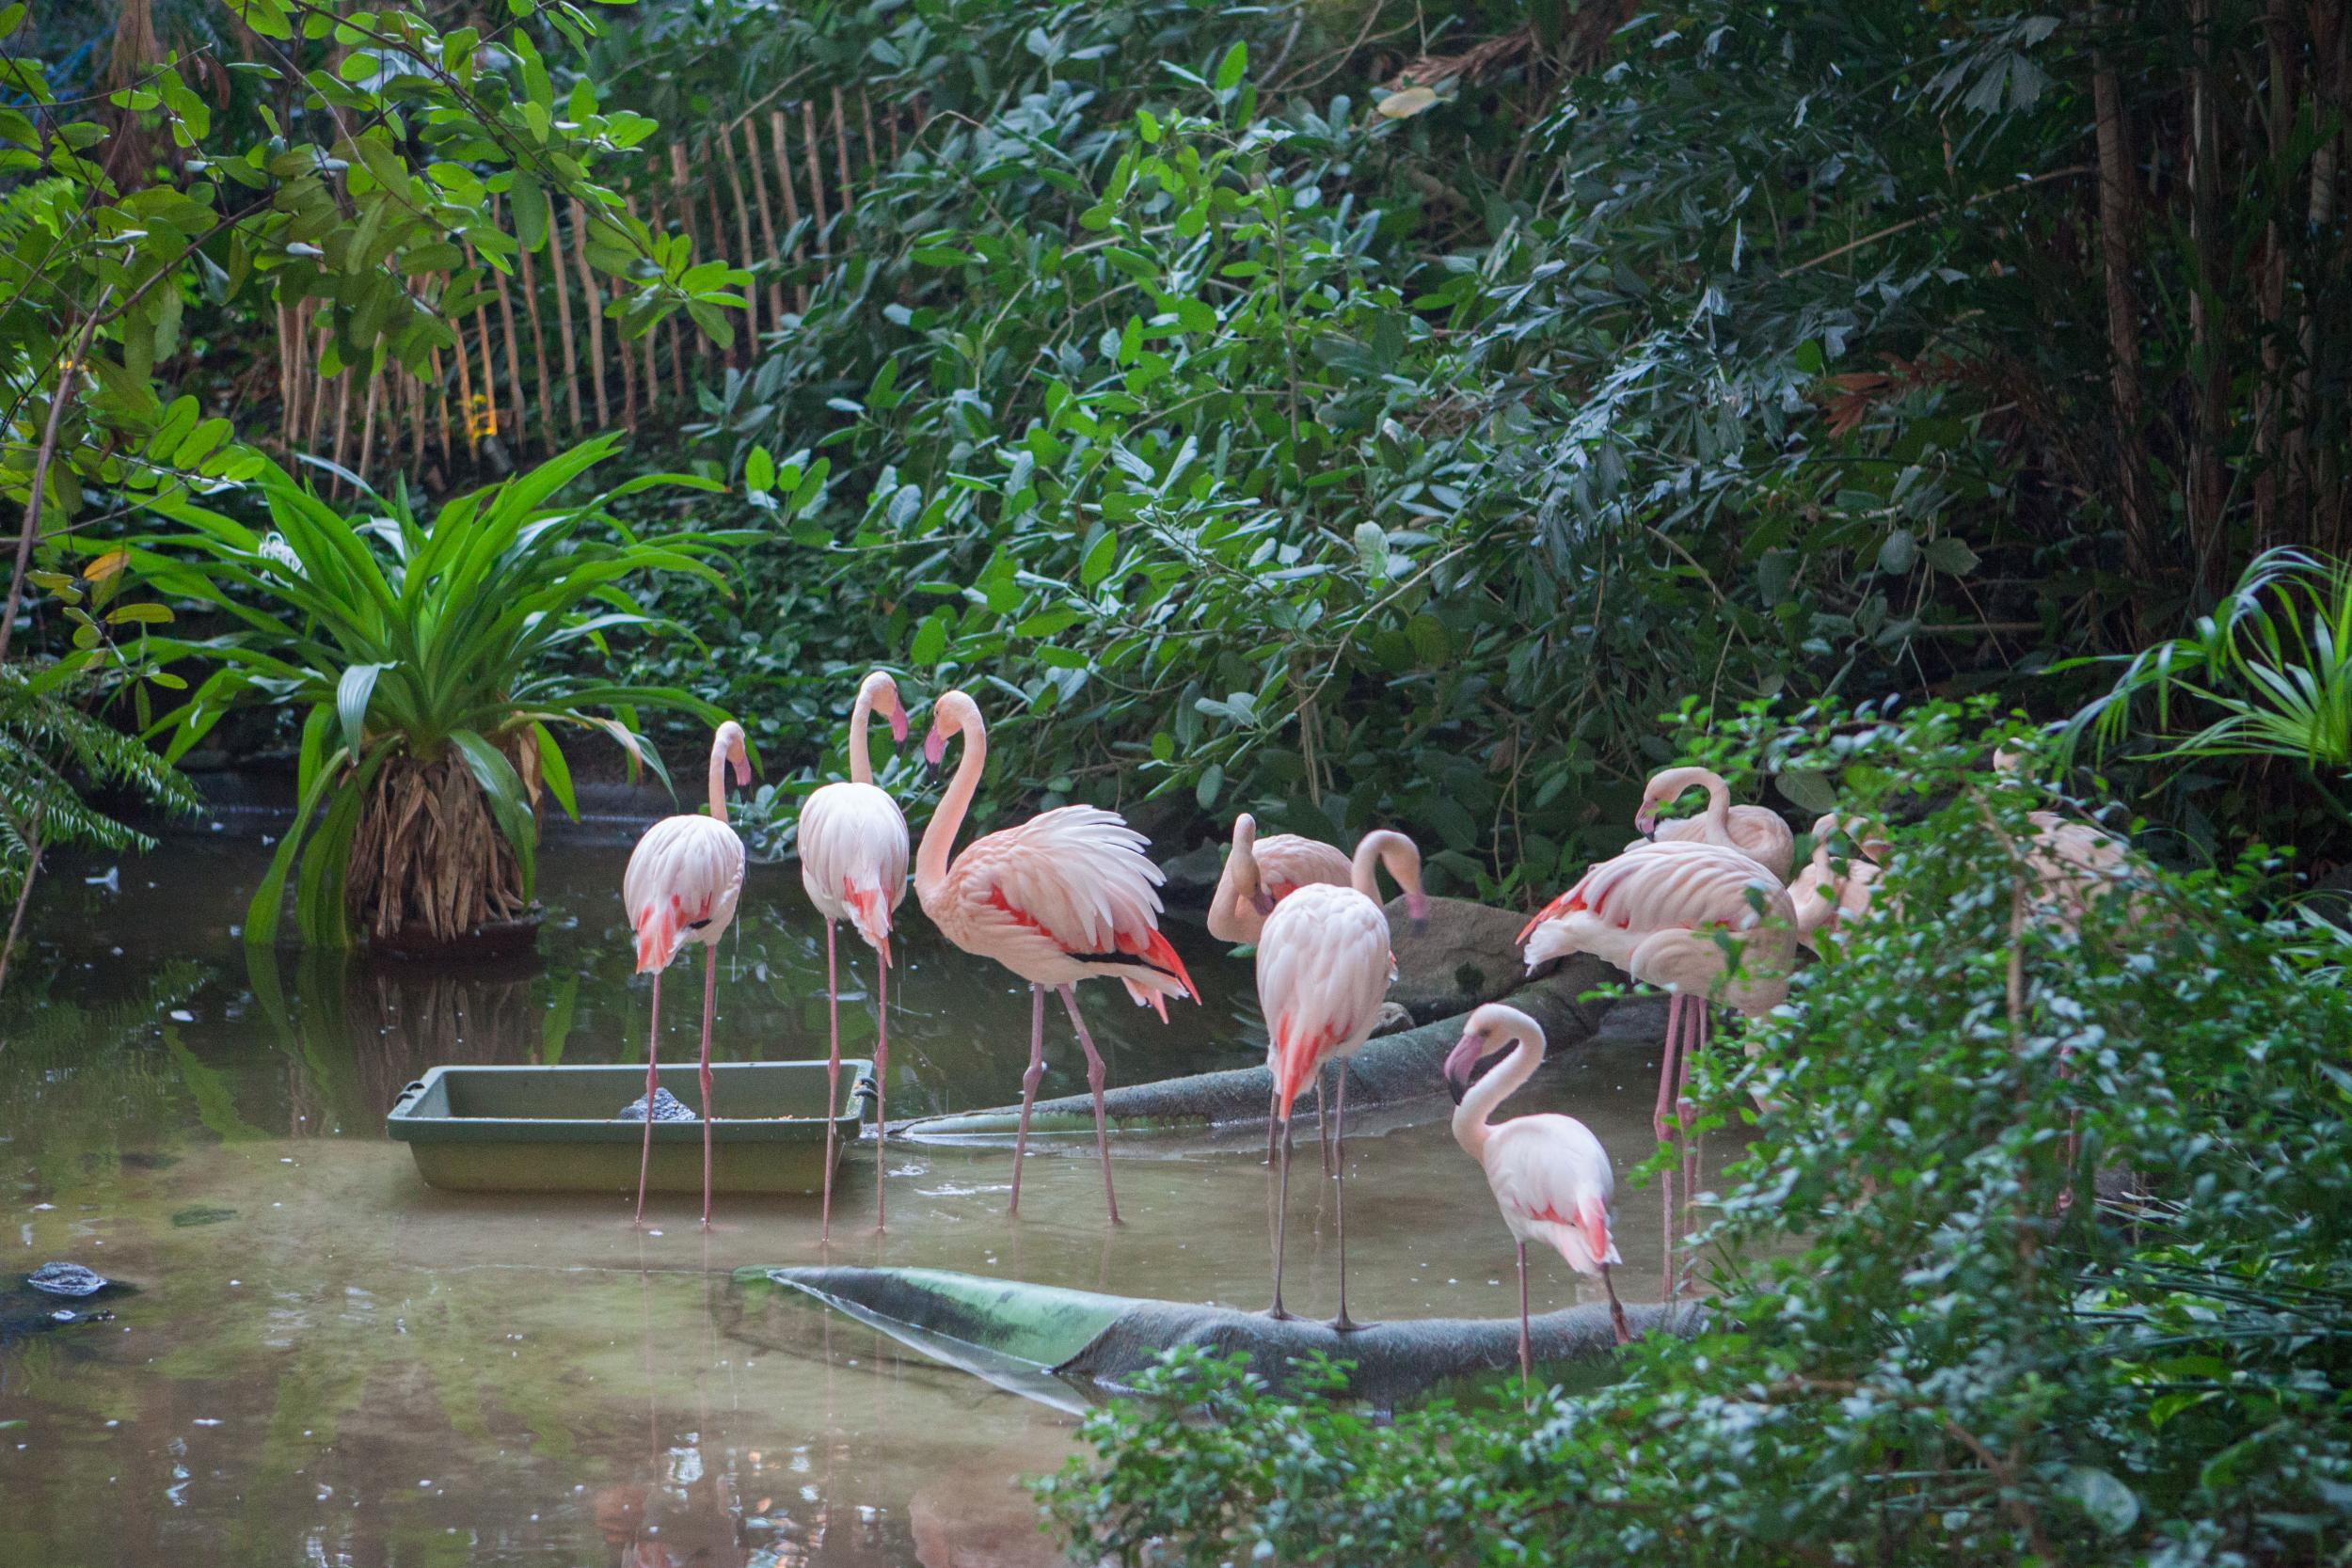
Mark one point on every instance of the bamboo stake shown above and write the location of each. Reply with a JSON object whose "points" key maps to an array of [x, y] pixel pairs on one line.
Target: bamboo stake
{"points": [[556, 269], [890, 118], [791, 206], [686, 232], [440, 413], [539, 353], [595, 316], [767, 226], [367, 428], [342, 421], [414, 390], [841, 154], [670, 328], [628, 361], [866, 114], [513, 352], [465, 382], [653, 382], [750, 246], [285, 368], [314, 392], [718, 227], [816, 179]]}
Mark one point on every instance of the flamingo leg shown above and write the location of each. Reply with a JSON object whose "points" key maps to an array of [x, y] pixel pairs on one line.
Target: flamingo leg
{"points": [[1273, 1117], [1666, 1065], [832, 1078], [1527, 1347], [1617, 1308], [882, 1080], [1323, 1125], [710, 1002], [1281, 1218], [1029, 1089], [1094, 1083], [1343, 1323], [653, 1082]]}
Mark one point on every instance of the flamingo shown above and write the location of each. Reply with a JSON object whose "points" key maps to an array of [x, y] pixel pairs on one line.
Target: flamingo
{"points": [[1824, 898], [1324, 968], [1261, 873], [853, 862], [2076, 862], [1656, 912], [684, 879], [1065, 896], [1550, 1174], [1755, 831]]}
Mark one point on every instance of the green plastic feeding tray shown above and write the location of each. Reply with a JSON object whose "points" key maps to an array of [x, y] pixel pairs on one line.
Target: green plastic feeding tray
{"points": [[559, 1129]]}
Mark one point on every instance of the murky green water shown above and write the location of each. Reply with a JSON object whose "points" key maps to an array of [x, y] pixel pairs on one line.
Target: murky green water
{"points": [[329, 1362]]}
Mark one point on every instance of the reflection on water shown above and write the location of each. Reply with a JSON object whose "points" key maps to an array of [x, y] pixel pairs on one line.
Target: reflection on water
{"points": [[329, 1362]]}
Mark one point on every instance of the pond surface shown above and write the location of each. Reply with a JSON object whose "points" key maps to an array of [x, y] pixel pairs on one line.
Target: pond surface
{"points": [[329, 1362]]}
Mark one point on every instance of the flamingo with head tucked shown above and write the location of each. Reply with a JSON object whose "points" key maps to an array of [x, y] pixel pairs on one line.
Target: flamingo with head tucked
{"points": [[1068, 896], [853, 862], [1324, 967], [1550, 1174], [1755, 831], [1659, 911], [683, 881], [1262, 872]]}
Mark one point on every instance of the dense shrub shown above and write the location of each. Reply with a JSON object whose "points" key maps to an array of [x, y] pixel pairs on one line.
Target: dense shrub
{"points": [[1933, 1339]]}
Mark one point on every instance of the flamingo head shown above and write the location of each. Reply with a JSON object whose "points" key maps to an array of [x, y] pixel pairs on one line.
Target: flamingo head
{"points": [[729, 742], [884, 693], [1492, 1028], [1417, 907], [1244, 862], [1664, 789], [951, 715]]}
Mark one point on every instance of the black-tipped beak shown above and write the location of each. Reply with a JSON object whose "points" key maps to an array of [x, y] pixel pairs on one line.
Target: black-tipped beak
{"points": [[1416, 911], [1261, 901], [1461, 1066]]}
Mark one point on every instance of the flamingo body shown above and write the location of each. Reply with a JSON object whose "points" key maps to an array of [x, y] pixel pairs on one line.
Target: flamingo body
{"points": [[1323, 964], [1066, 897], [1823, 898], [1550, 1174], [853, 867], [682, 884]]}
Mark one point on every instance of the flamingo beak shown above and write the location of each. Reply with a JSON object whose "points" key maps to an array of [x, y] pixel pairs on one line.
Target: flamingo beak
{"points": [[934, 746], [1645, 820], [1461, 1065], [742, 760], [898, 723], [1261, 901], [1417, 910]]}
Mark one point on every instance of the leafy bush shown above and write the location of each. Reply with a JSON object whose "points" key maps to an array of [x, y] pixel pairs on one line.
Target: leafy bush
{"points": [[1931, 1338], [433, 663]]}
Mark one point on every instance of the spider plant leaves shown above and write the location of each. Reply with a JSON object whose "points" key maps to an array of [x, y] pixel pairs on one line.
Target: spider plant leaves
{"points": [[352, 695], [555, 769]]}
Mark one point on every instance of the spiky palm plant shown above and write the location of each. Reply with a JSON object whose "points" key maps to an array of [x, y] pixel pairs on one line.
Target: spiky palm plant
{"points": [[435, 662]]}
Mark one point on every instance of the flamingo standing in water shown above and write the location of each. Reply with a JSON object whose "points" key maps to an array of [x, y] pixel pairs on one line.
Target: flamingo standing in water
{"points": [[1824, 896], [1755, 831], [853, 862], [1324, 967], [1065, 896], [1550, 1174], [1262, 872], [1656, 912], [684, 879]]}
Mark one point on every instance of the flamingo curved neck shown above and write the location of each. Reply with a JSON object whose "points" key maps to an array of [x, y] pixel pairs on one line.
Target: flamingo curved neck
{"points": [[1718, 801], [1371, 854], [939, 835], [719, 777], [861, 765], [1478, 1105]]}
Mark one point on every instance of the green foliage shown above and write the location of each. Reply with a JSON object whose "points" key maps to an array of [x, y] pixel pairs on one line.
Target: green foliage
{"points": [[399, 638], [2274, 659], [1931, 1338], [51, 751]]}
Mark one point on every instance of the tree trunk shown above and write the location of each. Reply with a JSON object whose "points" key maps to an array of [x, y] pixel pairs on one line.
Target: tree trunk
{"points": [[2135, 492]]}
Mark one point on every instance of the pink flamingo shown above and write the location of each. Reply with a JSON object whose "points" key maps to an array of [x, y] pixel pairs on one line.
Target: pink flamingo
{"points": [[1324, 967], [1824, 896], [1550, 1174], [853, 862], [1755, 831], [1065, 896], [1656, 912], [1261, 873], [684, 879]]}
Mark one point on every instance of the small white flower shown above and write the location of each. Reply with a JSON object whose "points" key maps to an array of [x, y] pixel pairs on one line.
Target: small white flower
{"points": [[274, 548]]}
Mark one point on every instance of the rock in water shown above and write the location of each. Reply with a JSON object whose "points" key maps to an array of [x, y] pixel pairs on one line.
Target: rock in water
{"points": [[666, 1107], [66, 1279]]}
